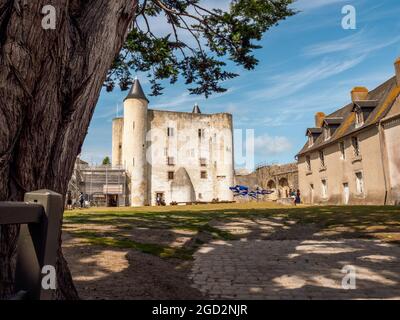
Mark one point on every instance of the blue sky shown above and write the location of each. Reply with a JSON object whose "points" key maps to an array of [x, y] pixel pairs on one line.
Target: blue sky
{"points": [[308, 63]]}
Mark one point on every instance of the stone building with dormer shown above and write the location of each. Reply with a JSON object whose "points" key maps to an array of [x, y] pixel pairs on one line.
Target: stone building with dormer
{"points": [[352, 156]]}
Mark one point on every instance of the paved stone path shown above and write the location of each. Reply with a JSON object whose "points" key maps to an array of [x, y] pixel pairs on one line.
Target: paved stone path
{"points": [[296, 269]]}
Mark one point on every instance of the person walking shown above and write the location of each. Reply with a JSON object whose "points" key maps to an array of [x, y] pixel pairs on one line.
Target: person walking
{"points": [[82, 200]]}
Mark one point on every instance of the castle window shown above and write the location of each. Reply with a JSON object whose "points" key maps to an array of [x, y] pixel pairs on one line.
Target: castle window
{"points": [[356, 146], [133, 161], [342, 150], [200, 196], [201, 133], [203, 174], [308, 161], [171, 161], [322, 158], [171, 175], [203, 162], [170, 132], [133, 125]]}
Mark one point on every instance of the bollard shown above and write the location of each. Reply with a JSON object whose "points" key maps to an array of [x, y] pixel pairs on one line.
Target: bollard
{"points": [[38, 245]]}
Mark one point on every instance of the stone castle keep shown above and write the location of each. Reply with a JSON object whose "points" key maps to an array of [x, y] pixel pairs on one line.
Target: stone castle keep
{"points": [[179, 157]]}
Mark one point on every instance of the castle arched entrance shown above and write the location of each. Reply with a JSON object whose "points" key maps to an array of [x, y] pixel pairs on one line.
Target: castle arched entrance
{"points": [[283, 188]]}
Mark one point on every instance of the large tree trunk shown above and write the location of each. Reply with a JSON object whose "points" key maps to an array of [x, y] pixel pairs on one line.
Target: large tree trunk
{"points": [[50, 81]]}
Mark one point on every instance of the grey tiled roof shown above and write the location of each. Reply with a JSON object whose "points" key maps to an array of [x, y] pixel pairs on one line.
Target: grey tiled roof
{"points": [[381, 99], [367, 103], [314, 130], [333, 121]]}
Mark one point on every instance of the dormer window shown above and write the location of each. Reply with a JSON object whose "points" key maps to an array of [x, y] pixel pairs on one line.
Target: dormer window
{"points": [[330, 126], [312, 135], [310, 140], [359, 118], [327, 133], [362, 110]]}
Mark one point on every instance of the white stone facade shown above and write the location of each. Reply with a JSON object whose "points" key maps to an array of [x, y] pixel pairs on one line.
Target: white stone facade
{"points": [[182, 157]]}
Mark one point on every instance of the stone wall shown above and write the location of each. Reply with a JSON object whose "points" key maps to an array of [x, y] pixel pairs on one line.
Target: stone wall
{"points": [[392, 134], [187, 148], [281, 179]]}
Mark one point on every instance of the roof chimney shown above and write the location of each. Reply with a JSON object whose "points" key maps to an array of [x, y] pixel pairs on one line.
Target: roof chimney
{"points": [[359, 94], [319, 119], [397, 68]]}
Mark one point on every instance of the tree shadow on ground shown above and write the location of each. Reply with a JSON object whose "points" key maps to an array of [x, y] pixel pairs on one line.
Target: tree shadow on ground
{"points": [[120, 274], [300, 256]]}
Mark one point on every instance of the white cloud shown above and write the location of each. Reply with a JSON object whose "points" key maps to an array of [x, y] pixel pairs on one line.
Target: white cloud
{"points": [[185, 101], [359, 43], [287, 84], [271, 145], [315, 4]]}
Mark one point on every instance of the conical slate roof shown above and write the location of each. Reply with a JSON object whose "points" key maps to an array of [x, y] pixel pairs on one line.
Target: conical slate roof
{"points": [[136, 92], [196, 109]]}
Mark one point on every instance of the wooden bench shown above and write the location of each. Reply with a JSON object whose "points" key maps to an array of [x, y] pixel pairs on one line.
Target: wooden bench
{"points": [[40, 218]]}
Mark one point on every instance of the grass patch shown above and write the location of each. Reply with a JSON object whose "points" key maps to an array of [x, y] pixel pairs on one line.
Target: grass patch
{"points": [[379, 222], [107, 240]]}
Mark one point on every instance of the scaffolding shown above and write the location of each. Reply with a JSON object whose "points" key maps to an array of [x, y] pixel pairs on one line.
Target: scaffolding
{"points": [[102, 186]]}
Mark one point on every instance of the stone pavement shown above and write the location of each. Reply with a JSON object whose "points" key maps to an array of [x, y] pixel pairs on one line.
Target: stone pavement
{"points": [[296, 269]]}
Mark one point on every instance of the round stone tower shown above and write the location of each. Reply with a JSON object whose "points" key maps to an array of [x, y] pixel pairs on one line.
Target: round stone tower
{"points": [[229, 168], [134, 144]]}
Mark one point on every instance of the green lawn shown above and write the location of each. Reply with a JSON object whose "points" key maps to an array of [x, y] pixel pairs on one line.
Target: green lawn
{"points": [[115, 227]]}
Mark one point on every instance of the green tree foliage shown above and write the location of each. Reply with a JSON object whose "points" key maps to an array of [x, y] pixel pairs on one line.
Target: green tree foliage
{"points": [[216, 36], [106, 161]]}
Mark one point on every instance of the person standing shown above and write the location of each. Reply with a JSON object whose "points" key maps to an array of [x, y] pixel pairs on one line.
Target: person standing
{"points": [[69, 200], [298, 198]]}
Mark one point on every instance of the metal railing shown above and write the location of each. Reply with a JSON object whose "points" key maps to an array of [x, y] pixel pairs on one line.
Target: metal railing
{"points": [[40, 218]]}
